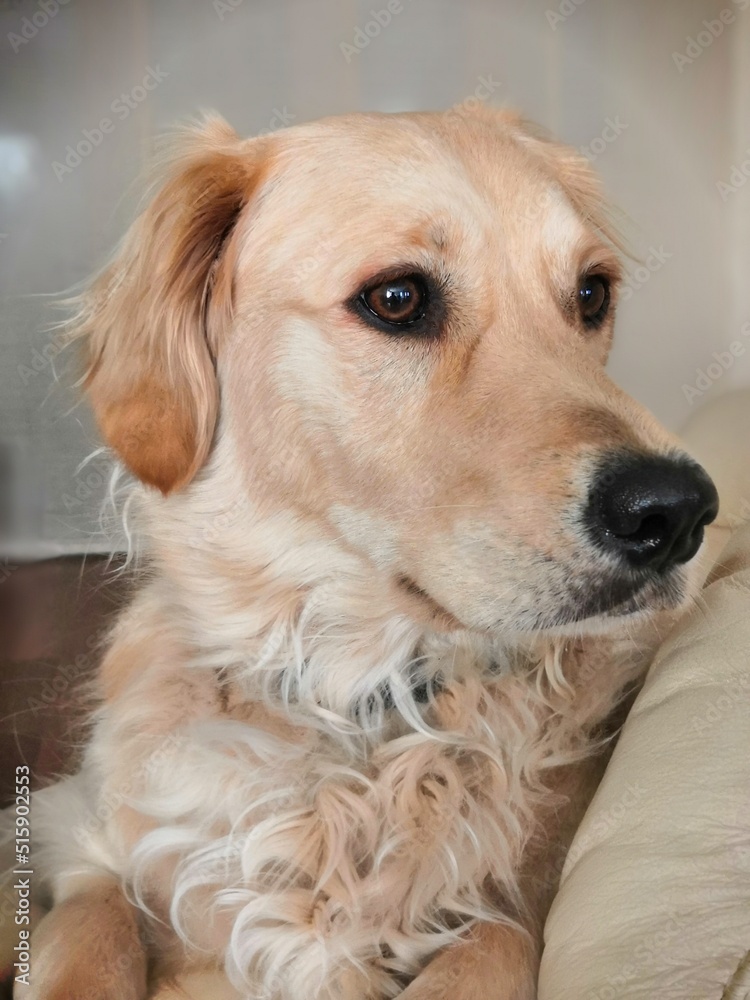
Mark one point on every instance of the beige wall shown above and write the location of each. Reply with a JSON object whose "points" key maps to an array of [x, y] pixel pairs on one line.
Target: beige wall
{"points": [[260, 61]]}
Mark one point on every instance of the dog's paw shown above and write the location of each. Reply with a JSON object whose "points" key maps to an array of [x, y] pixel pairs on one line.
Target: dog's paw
{"points": [[495, 963], [87, 948]]}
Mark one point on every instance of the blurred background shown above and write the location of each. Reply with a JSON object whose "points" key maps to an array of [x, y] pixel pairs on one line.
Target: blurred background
{"points": [[657, 95]]}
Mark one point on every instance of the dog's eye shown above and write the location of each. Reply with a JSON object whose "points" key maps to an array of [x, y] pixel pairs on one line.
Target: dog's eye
{"points": [[398, 302], [593, 299]]}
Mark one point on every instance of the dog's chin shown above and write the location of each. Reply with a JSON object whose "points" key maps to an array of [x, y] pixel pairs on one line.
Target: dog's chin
{"points": [[600, 606]]}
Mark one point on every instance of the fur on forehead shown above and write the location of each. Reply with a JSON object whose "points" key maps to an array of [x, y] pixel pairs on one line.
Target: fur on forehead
{"points": [[425, 179], [565, 170]]}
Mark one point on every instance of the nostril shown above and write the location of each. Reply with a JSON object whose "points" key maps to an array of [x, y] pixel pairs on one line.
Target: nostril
{"points": [[693, 537], [651, 510], [647, 538], [650, 531]]}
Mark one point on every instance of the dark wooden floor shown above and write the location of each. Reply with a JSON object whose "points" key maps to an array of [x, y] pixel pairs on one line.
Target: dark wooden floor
{"points": [[53, 616]]}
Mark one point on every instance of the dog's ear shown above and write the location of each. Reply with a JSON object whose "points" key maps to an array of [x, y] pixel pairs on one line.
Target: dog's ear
{"points": [[149, 362]]}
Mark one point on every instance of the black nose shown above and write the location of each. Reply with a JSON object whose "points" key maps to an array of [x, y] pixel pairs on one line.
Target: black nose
{"points": [[650, 509]]}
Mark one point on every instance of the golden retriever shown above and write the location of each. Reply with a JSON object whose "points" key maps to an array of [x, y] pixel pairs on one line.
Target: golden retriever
{"points": [[405, 539]]}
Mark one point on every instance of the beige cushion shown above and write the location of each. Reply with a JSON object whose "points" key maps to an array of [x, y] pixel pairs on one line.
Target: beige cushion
{"points": [[655, 896]]}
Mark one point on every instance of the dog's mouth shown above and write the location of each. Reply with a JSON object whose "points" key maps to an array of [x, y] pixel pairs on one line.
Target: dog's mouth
{"points": [[621, 597], [591, 603], [438, 615]]}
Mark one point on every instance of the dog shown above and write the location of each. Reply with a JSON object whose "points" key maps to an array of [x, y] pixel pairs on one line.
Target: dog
{"points": [[408, 547]]}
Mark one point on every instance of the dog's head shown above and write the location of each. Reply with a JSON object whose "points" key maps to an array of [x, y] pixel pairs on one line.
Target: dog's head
{"points": [[395, 327]]}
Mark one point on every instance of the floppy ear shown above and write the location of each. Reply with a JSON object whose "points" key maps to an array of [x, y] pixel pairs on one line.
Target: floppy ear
{"points": [[150, 370]]}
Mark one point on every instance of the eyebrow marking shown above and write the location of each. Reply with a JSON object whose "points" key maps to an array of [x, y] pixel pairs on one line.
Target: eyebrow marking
{"points": [[567, 302]]}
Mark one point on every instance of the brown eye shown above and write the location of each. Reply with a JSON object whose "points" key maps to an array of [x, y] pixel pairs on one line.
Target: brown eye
{"points": [[398, 302], [593, 299]]}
